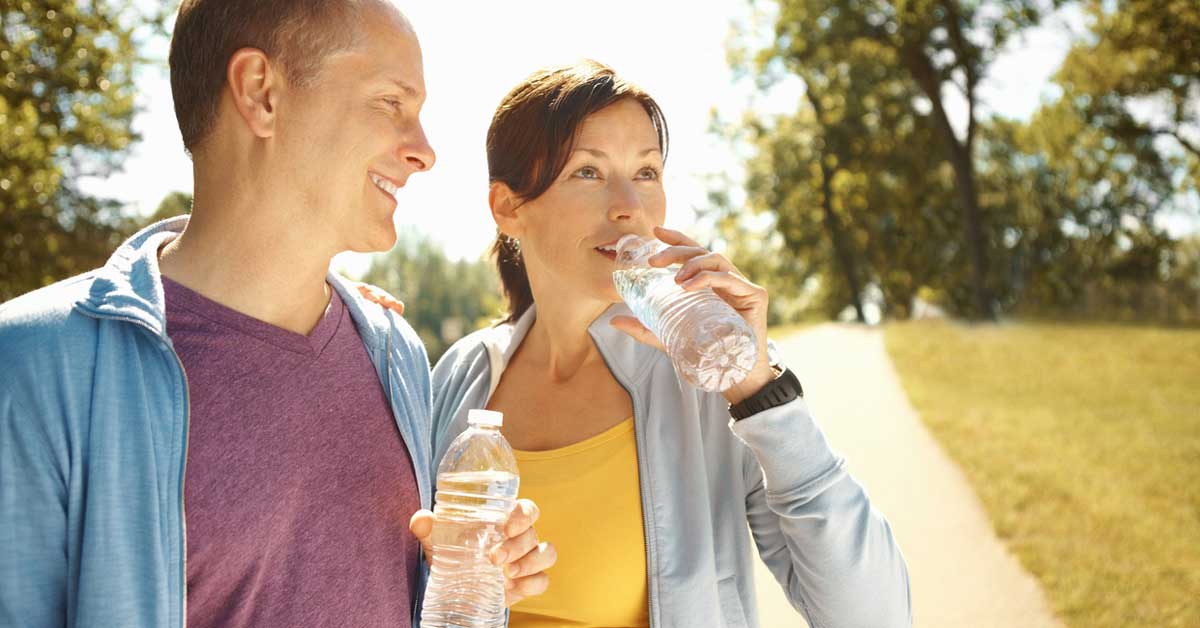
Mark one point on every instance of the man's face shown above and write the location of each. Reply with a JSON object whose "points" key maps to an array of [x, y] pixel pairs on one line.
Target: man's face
{"points": [[350, 140]]}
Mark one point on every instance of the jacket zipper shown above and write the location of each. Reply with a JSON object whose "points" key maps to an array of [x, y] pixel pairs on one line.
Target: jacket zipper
{"points": [[183, 463], [182, 480], [651, 556]]}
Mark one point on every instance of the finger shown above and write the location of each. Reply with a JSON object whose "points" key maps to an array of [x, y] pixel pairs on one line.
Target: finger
{"points": [[521, 588], [671, 236], [731, 284], [539, 557], [675, 255], [635, 328], [375, 295], [712, 261], [513, 549], [521, 518], [421, 526]]}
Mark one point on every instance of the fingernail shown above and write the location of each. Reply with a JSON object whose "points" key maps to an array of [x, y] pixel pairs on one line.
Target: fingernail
{"points": [[511, 571], [499, 556]]}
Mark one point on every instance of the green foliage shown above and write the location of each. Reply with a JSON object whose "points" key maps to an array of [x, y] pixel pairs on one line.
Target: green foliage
{"points": [[1139, 50], [443, 299], [871, 188], [66, 106], [173, 204]]}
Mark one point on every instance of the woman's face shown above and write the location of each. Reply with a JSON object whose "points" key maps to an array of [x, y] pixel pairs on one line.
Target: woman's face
{"points": [[611, 185]]}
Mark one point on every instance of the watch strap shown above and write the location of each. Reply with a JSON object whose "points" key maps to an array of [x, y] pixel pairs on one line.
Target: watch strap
{"points": [[784, 388]]}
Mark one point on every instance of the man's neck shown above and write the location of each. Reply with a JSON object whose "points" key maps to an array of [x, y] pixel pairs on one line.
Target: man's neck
{"points": [[240, 261]]}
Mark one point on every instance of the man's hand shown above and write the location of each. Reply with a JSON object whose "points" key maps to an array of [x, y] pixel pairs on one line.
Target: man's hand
{"points": [[380, 296], [523, 558]]}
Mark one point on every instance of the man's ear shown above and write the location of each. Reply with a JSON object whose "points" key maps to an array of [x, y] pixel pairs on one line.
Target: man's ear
{"points": [[504, 203], [254, 85]]}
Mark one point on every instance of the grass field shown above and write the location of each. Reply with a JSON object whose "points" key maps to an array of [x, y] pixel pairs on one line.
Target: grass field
{"points": [[1083, 442]]}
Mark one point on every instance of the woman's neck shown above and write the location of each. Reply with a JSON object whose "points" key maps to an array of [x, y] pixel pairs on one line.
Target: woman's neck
{"points": [[559, 341]]}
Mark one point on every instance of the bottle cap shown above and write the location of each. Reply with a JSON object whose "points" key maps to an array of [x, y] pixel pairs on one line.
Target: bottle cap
{"points": [[485, 417]]}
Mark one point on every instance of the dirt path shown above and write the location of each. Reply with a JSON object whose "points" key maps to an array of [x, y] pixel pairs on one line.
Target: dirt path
{"points": [[962, 576]]}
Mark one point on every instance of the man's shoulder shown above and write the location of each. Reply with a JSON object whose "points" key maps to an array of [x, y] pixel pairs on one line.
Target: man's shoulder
{"points": [[45, 316]]}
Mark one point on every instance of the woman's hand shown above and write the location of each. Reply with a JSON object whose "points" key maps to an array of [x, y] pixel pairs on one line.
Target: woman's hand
{"points": [[701, 269], [523, 558]]}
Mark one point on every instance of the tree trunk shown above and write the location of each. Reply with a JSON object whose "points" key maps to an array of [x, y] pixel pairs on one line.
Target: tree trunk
{"points": [[964, 176], [841, 248]]}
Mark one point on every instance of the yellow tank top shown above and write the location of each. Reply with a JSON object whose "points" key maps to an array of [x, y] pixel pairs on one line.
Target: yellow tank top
{"points": [[591, 510]]}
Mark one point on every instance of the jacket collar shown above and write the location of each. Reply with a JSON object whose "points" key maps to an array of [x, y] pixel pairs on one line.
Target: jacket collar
{"points": [[629, 359], [129, 286]]}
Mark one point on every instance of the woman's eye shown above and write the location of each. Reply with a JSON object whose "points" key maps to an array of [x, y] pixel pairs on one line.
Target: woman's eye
{"points": [[648, 174], [587, 172]]}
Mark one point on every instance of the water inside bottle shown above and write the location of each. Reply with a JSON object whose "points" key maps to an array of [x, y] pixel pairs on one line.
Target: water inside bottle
{"points": [[465, 588]]}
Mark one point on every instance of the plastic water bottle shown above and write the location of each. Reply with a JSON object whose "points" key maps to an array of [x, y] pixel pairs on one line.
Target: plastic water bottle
{"points": [[712, 347], [476, 488]]}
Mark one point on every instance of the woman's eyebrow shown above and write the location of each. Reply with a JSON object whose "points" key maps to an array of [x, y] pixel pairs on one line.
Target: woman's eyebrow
{"points": [[603, 155]]}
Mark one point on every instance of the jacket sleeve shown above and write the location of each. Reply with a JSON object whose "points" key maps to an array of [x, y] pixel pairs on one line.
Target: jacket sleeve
{"points": [[453, 377], [33, 520], [814, 526]]}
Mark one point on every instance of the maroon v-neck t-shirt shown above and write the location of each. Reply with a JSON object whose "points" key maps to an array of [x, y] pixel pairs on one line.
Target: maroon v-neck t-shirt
{"points": [[299, 487]]}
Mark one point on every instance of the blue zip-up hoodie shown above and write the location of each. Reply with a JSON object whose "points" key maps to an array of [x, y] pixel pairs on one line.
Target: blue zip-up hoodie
{"points": [[93, 442]]}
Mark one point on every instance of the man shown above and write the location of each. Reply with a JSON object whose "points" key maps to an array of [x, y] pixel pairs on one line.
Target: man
{"points": [[212, 429]]}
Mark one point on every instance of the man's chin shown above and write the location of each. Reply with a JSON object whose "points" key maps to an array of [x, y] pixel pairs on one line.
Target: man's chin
{"points": [[379, 241]]}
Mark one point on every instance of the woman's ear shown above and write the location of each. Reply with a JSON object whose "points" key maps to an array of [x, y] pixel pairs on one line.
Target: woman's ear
{"points": [[504, 204]]}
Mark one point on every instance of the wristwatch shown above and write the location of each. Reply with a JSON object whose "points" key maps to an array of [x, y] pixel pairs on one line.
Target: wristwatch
{"points": [[784, 388]]}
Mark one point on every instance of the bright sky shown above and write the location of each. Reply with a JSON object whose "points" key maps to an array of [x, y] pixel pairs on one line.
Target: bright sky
{"points": [[475, 52]]}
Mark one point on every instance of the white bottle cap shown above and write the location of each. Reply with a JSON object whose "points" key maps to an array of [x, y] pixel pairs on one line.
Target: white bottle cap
{"points": [[485, 417]]}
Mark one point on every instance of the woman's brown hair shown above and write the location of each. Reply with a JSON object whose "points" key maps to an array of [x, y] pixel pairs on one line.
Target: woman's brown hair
{"points": [[531, 136]]}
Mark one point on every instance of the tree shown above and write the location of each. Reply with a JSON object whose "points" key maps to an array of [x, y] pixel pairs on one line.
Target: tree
{"points": [[1107, 158], [942, 45], [854, 178], [173, 204], [66, 106], [1139, 51], [443, 299]]}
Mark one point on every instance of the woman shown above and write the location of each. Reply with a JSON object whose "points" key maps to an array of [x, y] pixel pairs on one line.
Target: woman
{"points": [[645, 484]]}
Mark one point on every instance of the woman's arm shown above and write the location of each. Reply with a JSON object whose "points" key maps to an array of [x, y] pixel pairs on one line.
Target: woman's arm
{"points": [[813, 524], [833, 553]]}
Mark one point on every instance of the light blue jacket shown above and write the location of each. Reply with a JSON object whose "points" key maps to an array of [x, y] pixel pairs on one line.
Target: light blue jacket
{"points": [[703, 477], [93, 442]]}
